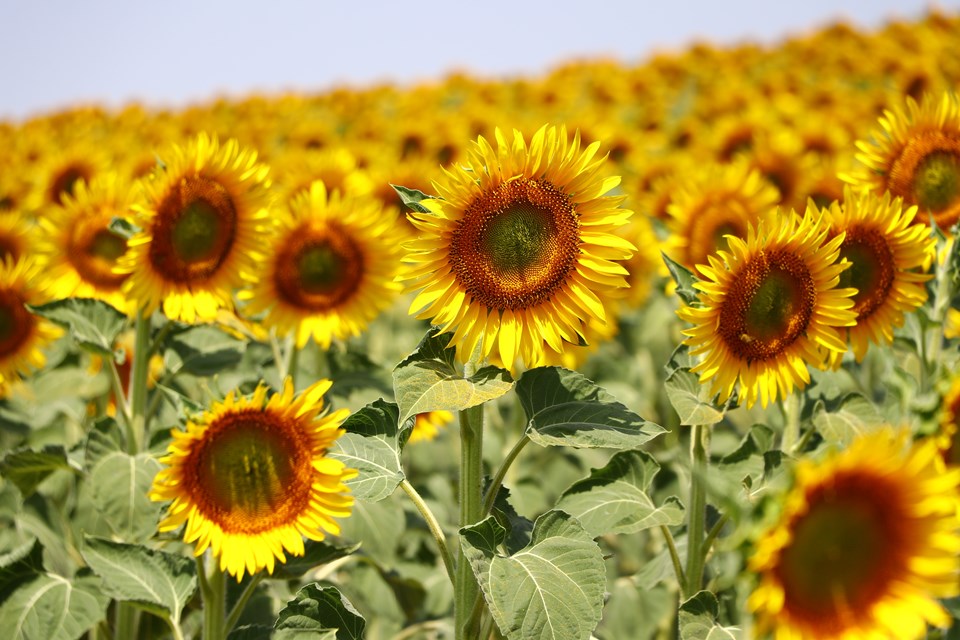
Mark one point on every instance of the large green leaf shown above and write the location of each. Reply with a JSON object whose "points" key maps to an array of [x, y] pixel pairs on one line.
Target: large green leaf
{"points": [[318, 609], [27, 468], [203, 350], [316, 553], [698, 619], [551, 590], [854, 416], [428, 380], [104, 439], [377, 526], [565, 408], [692, 401], [370, 445], [19, 565], [51, 607], [134, 572], [683, 277], [614, 499], [120, 483], [93, 324]]}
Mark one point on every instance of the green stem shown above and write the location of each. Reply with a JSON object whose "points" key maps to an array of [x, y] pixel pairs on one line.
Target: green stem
{"points": [[128, 621], [278, 358], [791, 428], [138, 382], [293, 359], [214, 603], [174, 625], [497, 482], [123, 408], [713, 533], [696, 510], [434, 527], [241, 603], [466, 590], [674, 555]]}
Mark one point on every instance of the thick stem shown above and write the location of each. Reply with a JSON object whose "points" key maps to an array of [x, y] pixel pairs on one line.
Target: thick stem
{"points": [[466, 590], [497, 482], [128, 621], [434, 527], [791, 428], [138, 382], [696, 514], [674, 556], [214, 602]]}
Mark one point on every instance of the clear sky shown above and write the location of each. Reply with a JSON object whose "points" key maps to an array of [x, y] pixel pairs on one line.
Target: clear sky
{"points": [[55, 53]]}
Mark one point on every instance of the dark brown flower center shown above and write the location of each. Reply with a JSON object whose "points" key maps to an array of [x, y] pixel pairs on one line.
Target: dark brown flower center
{"points": [[16, 323], [65, 181], [194, 230], [516, 244], [768, 306], [927, 173], [319, 268], [871, 271], [94, 251]]}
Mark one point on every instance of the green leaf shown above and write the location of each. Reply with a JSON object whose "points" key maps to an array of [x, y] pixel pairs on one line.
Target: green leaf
{"points": [[20, 565], [136, 573], [316, 553], [692, 401], [565, 408], [104, 439], [411, 198], [698, 619], [50, 607], [551, 590], [376, 525], [27, 468], [614, 499], [518, 528], [203, 350], [683, 277], [93, 324], [428, 380], [123, 227], [120, 484], [318, 609], [854, 416], [370, 445]]}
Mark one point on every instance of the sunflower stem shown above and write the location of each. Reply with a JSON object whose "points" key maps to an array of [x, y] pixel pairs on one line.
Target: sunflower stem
{"points": [[293, 359], [123, 407], [674, 556], [466, 590], [214, 602], [241, 603], [791, 428], [128, 621], [138, 382], [697, 510], [497, 482], [434, 525]]}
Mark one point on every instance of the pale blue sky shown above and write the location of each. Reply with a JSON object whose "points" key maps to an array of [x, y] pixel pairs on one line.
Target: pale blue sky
{"points": [[54, 53]]}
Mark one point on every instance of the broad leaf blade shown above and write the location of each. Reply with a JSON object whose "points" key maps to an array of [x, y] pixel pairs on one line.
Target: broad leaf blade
{"points": [[93, 324], [614, 499], [691, 400], [204, 350], [565, 408], [27, 468], [698, 619], [120, 484], [854, 416], [411, 198], [20, 565], [319, 609], [371, 446], [428, 380], [551, 589], [53, 608], [134, 572]]}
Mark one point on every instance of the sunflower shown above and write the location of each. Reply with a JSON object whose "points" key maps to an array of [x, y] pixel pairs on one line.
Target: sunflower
{"points": [[80, 248], [427, 425], [332, 267], [916, 157], [887, 255], [520, 247], [18, 237], [768, 308], [950, 423], [712, 203], [205, 219], [251, 477], [866, 542], [22, 334]]}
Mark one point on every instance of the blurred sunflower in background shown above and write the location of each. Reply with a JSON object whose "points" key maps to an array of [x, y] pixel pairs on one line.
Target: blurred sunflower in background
{"points": [[22, 334], [427, 425], [250, 478], [916, 157], [769, 308], [80, 249], [202, 230], [888, 256], [331, 267], [519, 248], [866, 543], [18, 235]]}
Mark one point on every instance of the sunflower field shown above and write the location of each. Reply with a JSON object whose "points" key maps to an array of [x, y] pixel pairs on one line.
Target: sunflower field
{"points": [[660, 351]]}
